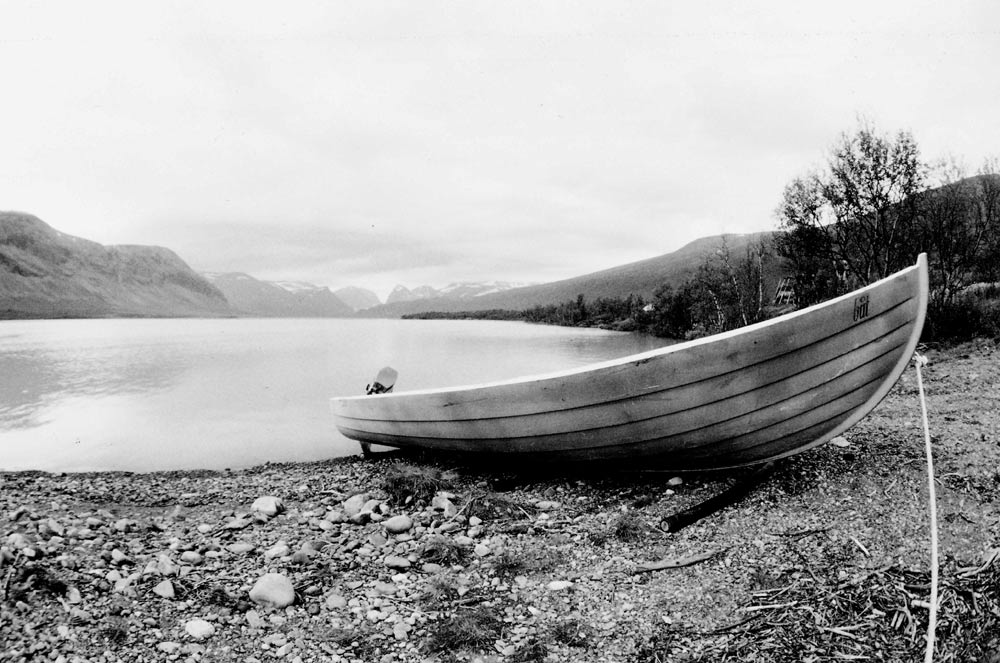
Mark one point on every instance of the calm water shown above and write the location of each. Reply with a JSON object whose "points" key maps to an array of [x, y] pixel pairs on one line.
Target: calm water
{"points": [[178, 394]]}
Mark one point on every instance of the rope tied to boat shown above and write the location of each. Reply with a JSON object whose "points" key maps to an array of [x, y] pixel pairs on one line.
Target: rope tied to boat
{"points": [[920, 360]]}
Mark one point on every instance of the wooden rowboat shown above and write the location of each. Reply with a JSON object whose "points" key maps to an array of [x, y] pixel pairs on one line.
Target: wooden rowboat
{"points": [[746, 396]]}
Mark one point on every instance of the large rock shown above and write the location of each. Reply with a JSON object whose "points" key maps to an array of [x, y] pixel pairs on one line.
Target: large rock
{"points": [[443, 505], [352, 506], [273, 590], [398, 524], [268, 506]]}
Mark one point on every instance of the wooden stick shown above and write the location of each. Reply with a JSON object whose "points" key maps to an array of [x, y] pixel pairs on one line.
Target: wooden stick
{"points": [[676, 563]]}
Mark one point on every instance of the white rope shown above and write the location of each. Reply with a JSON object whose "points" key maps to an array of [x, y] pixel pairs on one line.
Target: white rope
{"points": [[920, 360]]}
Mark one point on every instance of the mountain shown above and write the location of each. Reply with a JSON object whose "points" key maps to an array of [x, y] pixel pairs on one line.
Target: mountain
{"points": [[466, 289], [641, 278], [47, 274], [454, 291], [357, 298], [278, 299], [402, 294]]}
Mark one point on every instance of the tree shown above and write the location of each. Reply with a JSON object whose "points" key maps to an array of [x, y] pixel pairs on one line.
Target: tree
{"points": [[959, 227], [852, 223]]}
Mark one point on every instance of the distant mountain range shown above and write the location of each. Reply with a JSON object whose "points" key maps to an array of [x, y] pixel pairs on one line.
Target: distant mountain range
{"points": [[641, 278], [278, 299], [47, 274], [455, 291]]}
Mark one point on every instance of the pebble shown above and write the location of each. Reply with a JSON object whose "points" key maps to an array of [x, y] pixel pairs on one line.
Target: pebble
{"points": [[164, 589], [398, 524], [385, 588], [280, 549], [199, 629], [240, 548], [547, 505], [397, 562], [191, 557], [675, 481], [273, 590], [335, 602], [238, 523], [166, 566], [558, 585], [840, 441], [335, 516]]}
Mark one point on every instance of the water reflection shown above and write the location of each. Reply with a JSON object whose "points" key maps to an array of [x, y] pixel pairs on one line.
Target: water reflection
{"points": [[172, 394], [34, 379]]}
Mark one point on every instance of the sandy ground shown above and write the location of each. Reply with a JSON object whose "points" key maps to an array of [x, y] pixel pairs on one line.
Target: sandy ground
{"points": [[828, 559]]}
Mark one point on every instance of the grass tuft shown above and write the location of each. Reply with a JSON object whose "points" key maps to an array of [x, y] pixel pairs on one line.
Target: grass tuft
{"points": [[628, 527], [573, 632], [510, 562], [414, 483], [442, 550], [476, 628]]}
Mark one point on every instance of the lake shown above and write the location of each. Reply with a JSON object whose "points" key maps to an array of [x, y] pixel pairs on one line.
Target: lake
{"points": [[162, 394]]}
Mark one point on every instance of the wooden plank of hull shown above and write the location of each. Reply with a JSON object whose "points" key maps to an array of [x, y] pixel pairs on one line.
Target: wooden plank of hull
{"points": [[746, 396], [738, 391], [700, 422]]}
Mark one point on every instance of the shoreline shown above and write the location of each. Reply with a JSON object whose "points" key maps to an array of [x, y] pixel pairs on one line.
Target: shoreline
{"points": [[828, 557]]}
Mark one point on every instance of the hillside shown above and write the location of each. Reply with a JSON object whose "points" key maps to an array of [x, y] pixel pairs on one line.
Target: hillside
{"points": [[642, 278], [285, 299], [47, 274]]}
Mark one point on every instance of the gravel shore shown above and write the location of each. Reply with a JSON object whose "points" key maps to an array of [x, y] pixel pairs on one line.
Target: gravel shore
{"points": [[416, 559]]}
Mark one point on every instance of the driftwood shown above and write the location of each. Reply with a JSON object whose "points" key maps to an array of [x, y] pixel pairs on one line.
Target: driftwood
{"points": [[676, 563], [731, 495]]}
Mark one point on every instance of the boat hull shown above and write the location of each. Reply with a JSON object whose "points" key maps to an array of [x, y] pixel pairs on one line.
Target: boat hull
{"points": [[747, 396]]}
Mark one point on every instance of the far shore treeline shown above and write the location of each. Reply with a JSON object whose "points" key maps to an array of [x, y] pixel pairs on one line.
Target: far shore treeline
{"points": [[868, 212]]}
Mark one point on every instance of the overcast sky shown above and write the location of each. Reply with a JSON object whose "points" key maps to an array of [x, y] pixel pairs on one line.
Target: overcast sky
{"points": [[374, 143]]}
